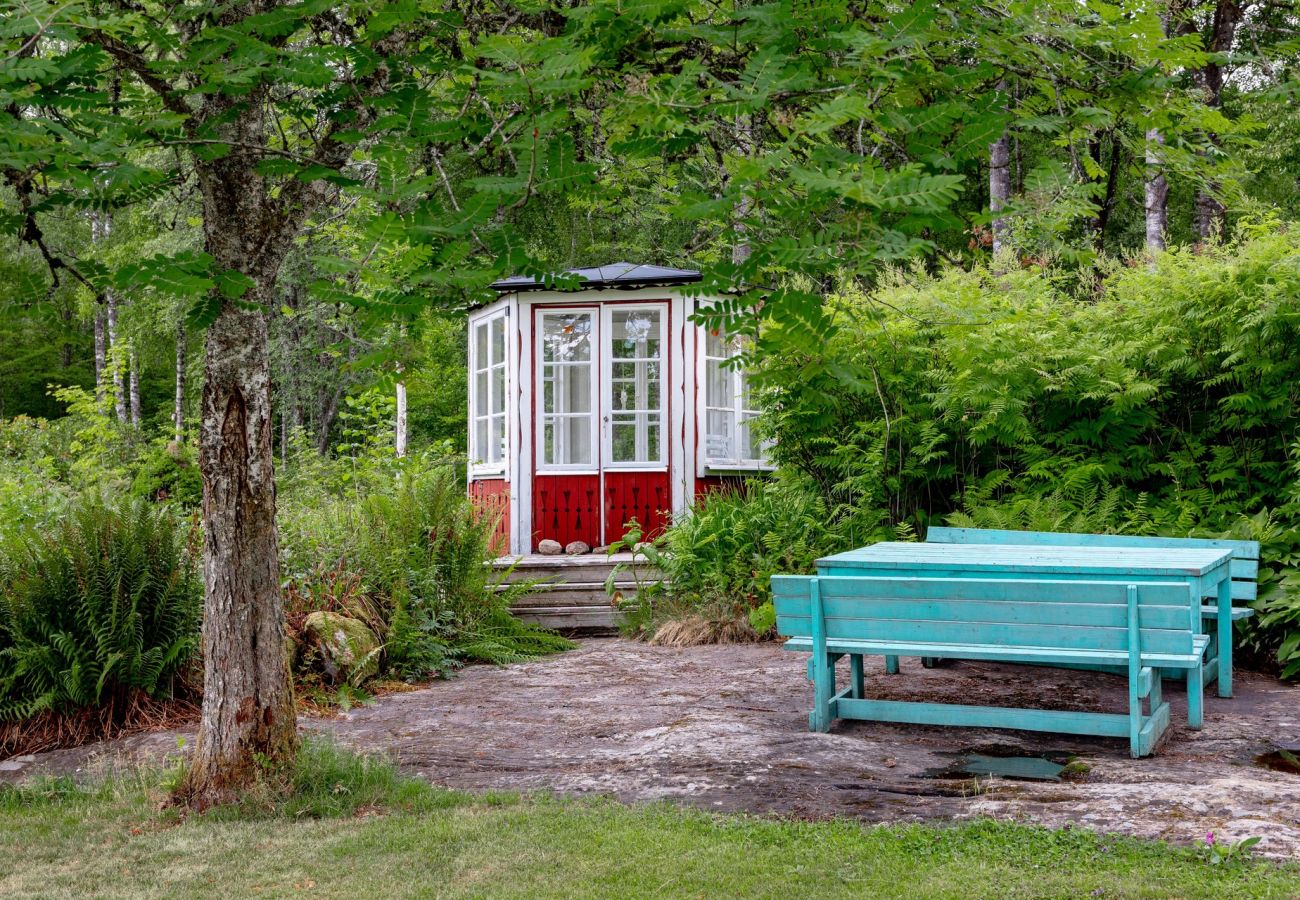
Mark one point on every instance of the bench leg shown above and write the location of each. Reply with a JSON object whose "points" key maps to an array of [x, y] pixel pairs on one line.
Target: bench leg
{"points": [[930, 662], [859, 677], [891, 665], [823, 690], [1196, 698], [1224, 620]]}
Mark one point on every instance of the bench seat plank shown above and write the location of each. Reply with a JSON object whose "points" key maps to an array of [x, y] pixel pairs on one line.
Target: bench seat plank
{"points": [[1002, 653]]}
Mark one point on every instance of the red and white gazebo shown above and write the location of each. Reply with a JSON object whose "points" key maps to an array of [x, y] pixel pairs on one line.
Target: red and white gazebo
{"points": [[601, 404]]}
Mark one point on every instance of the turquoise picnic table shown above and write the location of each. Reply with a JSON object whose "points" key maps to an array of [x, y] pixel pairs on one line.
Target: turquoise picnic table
{"points": [[1205, 570]]}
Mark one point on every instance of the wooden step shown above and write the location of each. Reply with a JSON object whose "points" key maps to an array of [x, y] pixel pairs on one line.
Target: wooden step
{"points": [[572, 595], [574, 619], [587, 568]]}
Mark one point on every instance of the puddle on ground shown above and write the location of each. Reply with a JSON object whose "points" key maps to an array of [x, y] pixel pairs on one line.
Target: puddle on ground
{"points": [[1285, 758], [1010, 763]]}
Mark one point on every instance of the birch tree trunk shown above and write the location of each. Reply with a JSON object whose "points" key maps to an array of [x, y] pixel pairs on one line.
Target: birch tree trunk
{"points": [[1157, 193], [178, 410], [1000, 185], [115, 361], [101, 356], [98, 233], [741, 250], [399, 427], [101, 226], [1000, 191], [134, 382]]}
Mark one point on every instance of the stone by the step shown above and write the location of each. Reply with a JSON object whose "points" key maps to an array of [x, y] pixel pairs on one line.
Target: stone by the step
{"points": [[550, 548], [577, 548]]}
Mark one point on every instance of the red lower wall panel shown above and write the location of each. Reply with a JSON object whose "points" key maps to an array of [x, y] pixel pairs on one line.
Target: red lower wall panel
{"points": [[643, 496], [708, 484], [566, 508], [491, 497]]}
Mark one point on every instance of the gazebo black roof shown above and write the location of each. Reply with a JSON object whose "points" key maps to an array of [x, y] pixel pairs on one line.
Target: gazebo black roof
{"points": [[623, 275]]}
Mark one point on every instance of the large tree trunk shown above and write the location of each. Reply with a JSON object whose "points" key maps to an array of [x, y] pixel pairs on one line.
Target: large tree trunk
{"points": [[742, 249], [178, 411], [248, 712], [248, 706], [1157, 193]]}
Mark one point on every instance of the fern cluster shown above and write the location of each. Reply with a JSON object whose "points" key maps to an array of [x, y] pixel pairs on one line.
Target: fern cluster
{"points": [[420, 550], [1162, 399], [100, 606]]}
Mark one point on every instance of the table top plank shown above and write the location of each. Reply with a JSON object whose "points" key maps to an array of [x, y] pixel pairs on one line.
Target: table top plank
{"points": [[1031, 558]]}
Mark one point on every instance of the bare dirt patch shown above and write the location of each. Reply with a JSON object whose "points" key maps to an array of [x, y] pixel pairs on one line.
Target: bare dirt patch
{"points": [[725, 728]]}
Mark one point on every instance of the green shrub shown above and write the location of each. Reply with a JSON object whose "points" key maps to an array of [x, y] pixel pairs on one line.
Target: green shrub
{"points": [[169, 471], [101, 606], [1163, 401], [719, 558], [407, 530]]}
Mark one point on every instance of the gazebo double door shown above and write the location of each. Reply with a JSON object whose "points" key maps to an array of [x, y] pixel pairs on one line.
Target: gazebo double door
{"points": [[600, 412]]}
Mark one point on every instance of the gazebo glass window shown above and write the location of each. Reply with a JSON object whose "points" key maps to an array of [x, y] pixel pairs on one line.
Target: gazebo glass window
{"points": [[636, 386], [567, 409], [730, 407], [488, 396]]}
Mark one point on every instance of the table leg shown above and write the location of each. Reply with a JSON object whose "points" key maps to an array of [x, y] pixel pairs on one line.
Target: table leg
{"points": [[859, 677], [1224, 621]]}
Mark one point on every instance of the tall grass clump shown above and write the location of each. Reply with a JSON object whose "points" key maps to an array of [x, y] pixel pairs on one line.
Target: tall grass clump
{"points": [[99, 616]]}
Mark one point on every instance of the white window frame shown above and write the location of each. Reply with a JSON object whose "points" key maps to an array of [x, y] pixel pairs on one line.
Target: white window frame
{"points": [[478, 467], [608, 412], [539, 401], [737, 413]]}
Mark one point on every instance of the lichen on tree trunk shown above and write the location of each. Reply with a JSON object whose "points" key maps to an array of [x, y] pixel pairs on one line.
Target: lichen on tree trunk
{"points": [[248, 710]]}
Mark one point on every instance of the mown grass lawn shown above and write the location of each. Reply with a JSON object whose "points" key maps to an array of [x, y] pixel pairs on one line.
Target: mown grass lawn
{"points": [[355, 828]]}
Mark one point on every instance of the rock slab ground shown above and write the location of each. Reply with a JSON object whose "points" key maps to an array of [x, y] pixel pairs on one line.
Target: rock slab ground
{"points": [[725, 728]]}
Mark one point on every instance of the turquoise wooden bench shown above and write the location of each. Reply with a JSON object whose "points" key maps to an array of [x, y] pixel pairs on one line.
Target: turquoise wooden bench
{"points": [[1244, 569], [1143, 627]]}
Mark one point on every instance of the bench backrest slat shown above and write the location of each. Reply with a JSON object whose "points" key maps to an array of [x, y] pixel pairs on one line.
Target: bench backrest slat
{"points": [[1244, 566], [1047, 614]]}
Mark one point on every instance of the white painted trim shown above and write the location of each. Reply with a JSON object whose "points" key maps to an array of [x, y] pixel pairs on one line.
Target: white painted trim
{"points": [[521, 519], [681, 456]]}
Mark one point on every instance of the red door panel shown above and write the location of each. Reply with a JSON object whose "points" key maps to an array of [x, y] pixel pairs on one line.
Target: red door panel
{"points": [[566, 508], [643, 496]]}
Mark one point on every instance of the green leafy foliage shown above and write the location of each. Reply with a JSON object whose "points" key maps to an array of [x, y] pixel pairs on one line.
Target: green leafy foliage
{"points": [[169, 471], [1162, 403], [719, 558], [101, 606], [416, 547]]}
